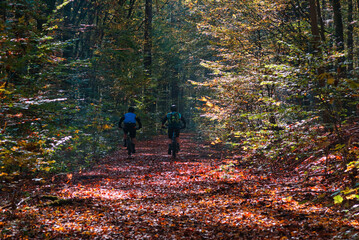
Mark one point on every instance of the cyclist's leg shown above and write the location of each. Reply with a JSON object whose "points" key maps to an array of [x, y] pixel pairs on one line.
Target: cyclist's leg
{"points": [[132, 133], [177, 135], [125, 132], [178, 138], [170, 133]]}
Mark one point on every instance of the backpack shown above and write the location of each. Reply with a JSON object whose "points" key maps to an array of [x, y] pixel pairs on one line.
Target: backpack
{"points": [[174, 120]]}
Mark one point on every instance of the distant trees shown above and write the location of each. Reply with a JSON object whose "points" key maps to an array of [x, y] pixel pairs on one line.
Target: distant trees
{"points": [[68, 69]]}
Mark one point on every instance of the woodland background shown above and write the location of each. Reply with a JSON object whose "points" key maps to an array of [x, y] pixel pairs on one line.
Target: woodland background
{"points": [[275, 82]]}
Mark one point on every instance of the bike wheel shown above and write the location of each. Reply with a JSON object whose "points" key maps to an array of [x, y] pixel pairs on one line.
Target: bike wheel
{"points": [[129, 146], [174, 149]]}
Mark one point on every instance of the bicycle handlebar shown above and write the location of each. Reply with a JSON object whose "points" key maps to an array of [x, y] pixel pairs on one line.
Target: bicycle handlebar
{"points": [[137, 128], [164, 127]]}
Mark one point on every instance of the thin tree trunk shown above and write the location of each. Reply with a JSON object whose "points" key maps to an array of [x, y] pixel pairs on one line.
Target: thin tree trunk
{"points": [[147, 59], [314, 20], [338, 24], [314, 24], [67, 30], [339, 36], [148, 39], [131, 8], [321, 22], [314, 15], [350, 41], [4, 70]]}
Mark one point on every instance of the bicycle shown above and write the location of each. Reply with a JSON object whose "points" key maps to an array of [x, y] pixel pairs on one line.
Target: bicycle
{"points": [[129, 145], [174, 148]]}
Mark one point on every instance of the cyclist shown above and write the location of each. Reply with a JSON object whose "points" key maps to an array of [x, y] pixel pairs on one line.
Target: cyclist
{"points": [[175, 122], [129, 120]]}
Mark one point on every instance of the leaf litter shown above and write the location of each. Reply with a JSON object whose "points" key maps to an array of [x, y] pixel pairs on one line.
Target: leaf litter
{"points": [[200, 195]]}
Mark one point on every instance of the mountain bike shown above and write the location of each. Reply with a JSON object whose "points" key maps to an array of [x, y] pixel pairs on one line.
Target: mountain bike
{"points": [[129, 145], [174, 145]]}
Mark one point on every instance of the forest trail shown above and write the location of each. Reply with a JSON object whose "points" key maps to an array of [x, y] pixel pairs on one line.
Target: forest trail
{"points": [[200, 195]]}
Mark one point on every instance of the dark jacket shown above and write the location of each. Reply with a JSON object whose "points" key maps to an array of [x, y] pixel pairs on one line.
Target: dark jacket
{"points": [[183, 120]]}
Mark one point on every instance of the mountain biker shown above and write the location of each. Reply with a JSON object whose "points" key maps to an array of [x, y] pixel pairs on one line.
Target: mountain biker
{"points": [[129, 120], [175, 122]]}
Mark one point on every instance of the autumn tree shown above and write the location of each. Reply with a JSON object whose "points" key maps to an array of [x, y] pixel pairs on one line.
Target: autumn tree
{"points": [[27, 48], [270, 87]]}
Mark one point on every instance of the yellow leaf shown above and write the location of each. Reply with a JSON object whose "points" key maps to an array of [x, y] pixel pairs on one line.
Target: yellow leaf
{"points": [[47, 169], [204, 99], [209, 104], [22, 20], [338, 199], [106, 127], [2, 86], [14, 148], [216, 141], [330, 80], [352, 196]]}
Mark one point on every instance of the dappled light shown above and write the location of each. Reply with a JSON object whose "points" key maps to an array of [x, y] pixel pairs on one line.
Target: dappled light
{"points": [[149, 197], [168, 119]]}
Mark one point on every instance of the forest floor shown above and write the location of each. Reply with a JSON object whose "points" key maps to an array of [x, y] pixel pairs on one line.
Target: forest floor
{"points": [[203, 194]]}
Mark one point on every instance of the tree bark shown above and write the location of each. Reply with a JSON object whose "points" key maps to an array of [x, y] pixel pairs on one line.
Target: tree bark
{"points": [[41, 20], [130, 9], [350, 41], [148, 39], [321, 22], [338, 25], [339, 37], [314, 24]]}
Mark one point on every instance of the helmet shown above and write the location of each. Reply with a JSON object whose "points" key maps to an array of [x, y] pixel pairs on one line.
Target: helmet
{"points": [[173, 108], [131, 109]]}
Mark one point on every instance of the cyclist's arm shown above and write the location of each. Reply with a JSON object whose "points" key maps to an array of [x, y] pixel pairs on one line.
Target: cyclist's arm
{"points": [[184, 122], [139, 122], [120, 122], [164, 120]]}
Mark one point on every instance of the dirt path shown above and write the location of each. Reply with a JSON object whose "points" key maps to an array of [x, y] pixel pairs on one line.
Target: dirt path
{"points": [[198, 196]]}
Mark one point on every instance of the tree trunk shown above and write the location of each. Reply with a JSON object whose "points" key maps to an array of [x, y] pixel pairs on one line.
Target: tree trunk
{"points": [[338, 24], [321, 22], [350, 41], [148, 94], [148, 39], [339, 37], [41, 20], [67, 33], [314, 21], [314, 24], [4, 70], [131, 8]]}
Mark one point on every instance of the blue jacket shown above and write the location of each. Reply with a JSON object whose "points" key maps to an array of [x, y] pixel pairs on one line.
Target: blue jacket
{"points": [[130, 118]]}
